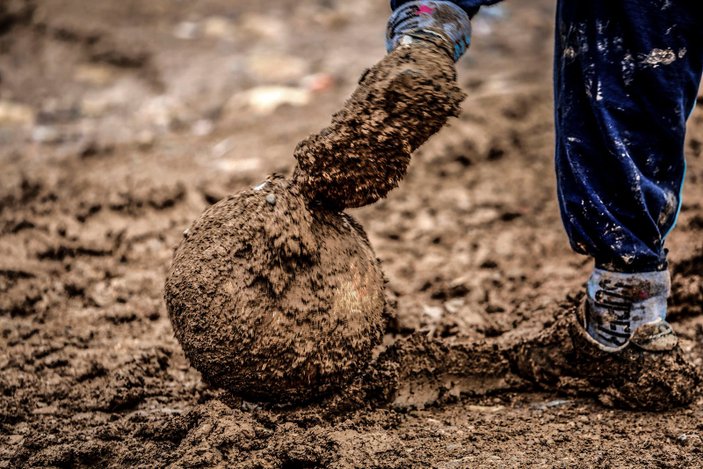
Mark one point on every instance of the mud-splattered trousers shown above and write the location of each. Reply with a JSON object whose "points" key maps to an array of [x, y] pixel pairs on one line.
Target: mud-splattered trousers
{"points": [[625, 81], [626, 75]]}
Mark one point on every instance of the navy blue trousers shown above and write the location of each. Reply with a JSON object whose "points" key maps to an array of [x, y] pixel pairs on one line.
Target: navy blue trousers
{"points": [[626, 76]]}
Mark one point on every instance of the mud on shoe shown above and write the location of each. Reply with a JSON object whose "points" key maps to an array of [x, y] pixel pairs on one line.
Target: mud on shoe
{"points": [[623, 308], [564, 357]]}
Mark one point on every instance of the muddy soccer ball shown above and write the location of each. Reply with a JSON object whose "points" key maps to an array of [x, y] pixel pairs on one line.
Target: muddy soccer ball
{"points": [[274, 301]]}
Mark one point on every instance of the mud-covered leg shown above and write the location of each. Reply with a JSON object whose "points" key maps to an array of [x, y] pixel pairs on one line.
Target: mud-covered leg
{"points": [[365, 151], [399, 103]]}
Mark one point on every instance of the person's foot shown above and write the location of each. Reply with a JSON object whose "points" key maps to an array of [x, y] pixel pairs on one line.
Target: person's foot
{"points": [[438, 22], [565, 357], [623, 308]]}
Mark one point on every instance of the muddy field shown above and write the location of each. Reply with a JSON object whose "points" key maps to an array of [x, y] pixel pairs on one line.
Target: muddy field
{"points": [[121, 121]]}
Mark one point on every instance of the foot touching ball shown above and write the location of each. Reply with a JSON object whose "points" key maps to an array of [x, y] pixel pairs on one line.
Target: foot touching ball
{"points": [[274, 293]]}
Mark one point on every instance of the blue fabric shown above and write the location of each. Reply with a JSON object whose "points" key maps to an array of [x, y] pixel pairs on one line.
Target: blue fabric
{"points": [[469, 6], [626, 78], [442, 23]]}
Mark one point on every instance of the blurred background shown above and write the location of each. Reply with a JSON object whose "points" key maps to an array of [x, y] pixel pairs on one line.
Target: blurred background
{"points": [[231, 84]]}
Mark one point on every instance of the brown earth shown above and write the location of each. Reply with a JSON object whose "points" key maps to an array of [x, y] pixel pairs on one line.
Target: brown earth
{"points": [[120, 122]]}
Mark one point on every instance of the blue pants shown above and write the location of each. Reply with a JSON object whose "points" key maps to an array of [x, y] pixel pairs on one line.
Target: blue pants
{"points": [[626, 76]]}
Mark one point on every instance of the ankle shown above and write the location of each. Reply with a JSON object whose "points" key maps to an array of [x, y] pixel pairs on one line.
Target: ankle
{"points": [[617, 304]]}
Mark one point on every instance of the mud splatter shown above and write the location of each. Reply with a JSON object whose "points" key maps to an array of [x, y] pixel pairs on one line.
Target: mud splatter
{"points": [[658, 57], [364, 153]]}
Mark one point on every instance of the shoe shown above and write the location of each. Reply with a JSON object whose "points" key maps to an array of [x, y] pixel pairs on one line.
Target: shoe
{"points": [[636, 375], [623, 308], [438, 22]]}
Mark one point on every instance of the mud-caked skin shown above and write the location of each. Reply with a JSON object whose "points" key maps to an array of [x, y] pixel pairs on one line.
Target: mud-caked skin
{"points": [[564, 357]]}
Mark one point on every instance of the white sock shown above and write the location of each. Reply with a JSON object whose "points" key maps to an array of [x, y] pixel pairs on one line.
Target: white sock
{"points": [[618, 303]]}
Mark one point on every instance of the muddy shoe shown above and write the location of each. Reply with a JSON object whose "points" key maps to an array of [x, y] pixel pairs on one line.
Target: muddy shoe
{"points": [[623, 308], [566, 358], [441, 23]]}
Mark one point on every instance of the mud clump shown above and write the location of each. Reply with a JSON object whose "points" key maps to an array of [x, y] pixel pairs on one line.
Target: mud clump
{"points": [[561, 357], [365, 151], [274, 293], [273, 301], [687, 286], [550, 353]]}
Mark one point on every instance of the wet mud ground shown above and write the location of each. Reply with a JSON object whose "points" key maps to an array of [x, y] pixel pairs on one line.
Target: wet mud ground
{"points": [[121, 121]]}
